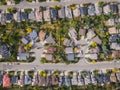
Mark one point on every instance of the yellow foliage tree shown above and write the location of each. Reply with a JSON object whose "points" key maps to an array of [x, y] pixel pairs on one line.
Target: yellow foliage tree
{"points": [[29, 30], [73, 7], [94, 44], [115, 70]]}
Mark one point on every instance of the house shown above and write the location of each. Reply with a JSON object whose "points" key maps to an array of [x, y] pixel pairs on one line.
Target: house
{"points": [[74, 79], [72, 33], [68, 12], [21, 80], [81, 42], [4, 51], [6, 81], [114, 8], [68, 42], [80, 80], [1, 79], [115, 46], [42, 80], [71, 56], [114, 38], [2, 18], [90, 34], [25, 40], [31, 15], [49, 57], [118, 76], [94, 50], [76, 12], [53, 13], [61, 12], [61, 80], [42, 35], [82, 32], [35, 79], [91, 10], [106, 78], [97, 40], [100, 79], [50, 39], [23, 56], [83, 11], [51, 50], [115, 53], [23, 15], [55, 80], [113, 77], [68, 50], [33, 35], [10, 2], [46, 14], [93, 79], [38, 15], [111, 22], [91, 56], [27, 80], [14, 79], [106, 9], [67, 81], [48, 80], [98, 9], [113, 30], [21, 49], [8, 17], [16, 16]]}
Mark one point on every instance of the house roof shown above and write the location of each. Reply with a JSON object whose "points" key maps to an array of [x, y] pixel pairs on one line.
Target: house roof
{"points": [[22, 56], [114, 8], [72, 33], [33, 35], [46, 14], [8, 17], [16, 16], [113, 77], [23, 16], [91, 56], [25, 40], [4, 51], [111, 22], [83, 10], [55, 80], [68, 12], [76, 12], [68, 50], [38, 15], [106, 9], [67, 81], [42, 81], [113, 30], [32, 15], [6, 81], [91, 9], [48, 80], [67, 42], [115, 53], [71, 57], [98, 9], [61, 12], [115, 46], [49, 57], [118, 76], [95, 50], [90, 34], [42, 35], [27, 80], [53, 13], [82, 32], [50, 39], [14, 79], [114, 38], [97, 40]]}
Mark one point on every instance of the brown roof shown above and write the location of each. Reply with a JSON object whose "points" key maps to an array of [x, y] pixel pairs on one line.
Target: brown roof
{"points": [[113, 77], [112, 30], [49, 57], [42, 35], [42, 81], [82, 32], [54, 80], [116, 53]]}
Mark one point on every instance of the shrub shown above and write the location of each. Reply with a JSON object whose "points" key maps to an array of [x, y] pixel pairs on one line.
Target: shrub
{"points": [[43, 60]]}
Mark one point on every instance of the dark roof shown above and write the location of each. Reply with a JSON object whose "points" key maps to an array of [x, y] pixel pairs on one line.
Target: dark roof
{"points": [[48, 80], [25, 40], [1, 77], [114, 8], [83, 10], [8, 17], [53, 13], [23, 16], [42, 81], [114, 38], [67, 81], [33, 35], [14, 79], [62, 80], [4, 51], [27, 79]]}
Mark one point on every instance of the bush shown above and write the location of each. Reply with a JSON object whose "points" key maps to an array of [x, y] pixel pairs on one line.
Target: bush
{"points": [[28, 10], [43, 60]]}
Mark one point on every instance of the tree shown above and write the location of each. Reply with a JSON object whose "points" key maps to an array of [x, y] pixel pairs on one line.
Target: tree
{"points": [[43, 60], [17, 1], [28, 10]]}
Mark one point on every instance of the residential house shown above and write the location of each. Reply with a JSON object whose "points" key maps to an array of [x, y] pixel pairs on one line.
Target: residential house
{"points": [[2, 18], [46, 14], [76, 12], [83, 11], [55, 80], [35, 79], [67, 81], [31, 15], [98, 9], [100, 79], [68, 42], [10, 2], [113, 30], [68, 12], [61, 12], [53, 13], [33, 35], [90, 34], [68, 50], [42, 80], [91, 10], [74, 79], [16, 16], [115, 46], [115, 54], [71, 57], [61, 80], [6, 81], [106, 78], [48, 80], [50, 39], [49, 57], [8, 17], [23, 56], [113, 77], [91, 56], [42, 35], [21, 80], [4, 52], [111, 22], [14, 79], [1, 79], [97, 40], [114, 38], [87, 79], [94, 50], [93, 79], [80, 80], [23, 15], [38, 15], [72, 33], [25, 40], [81, 42], [82, 32], [118, 76], [106, 9], [114, 8], [27, 80]]}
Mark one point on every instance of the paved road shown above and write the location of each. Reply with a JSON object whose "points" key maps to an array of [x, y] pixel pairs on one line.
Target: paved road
{"points": [[82, 65]]}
